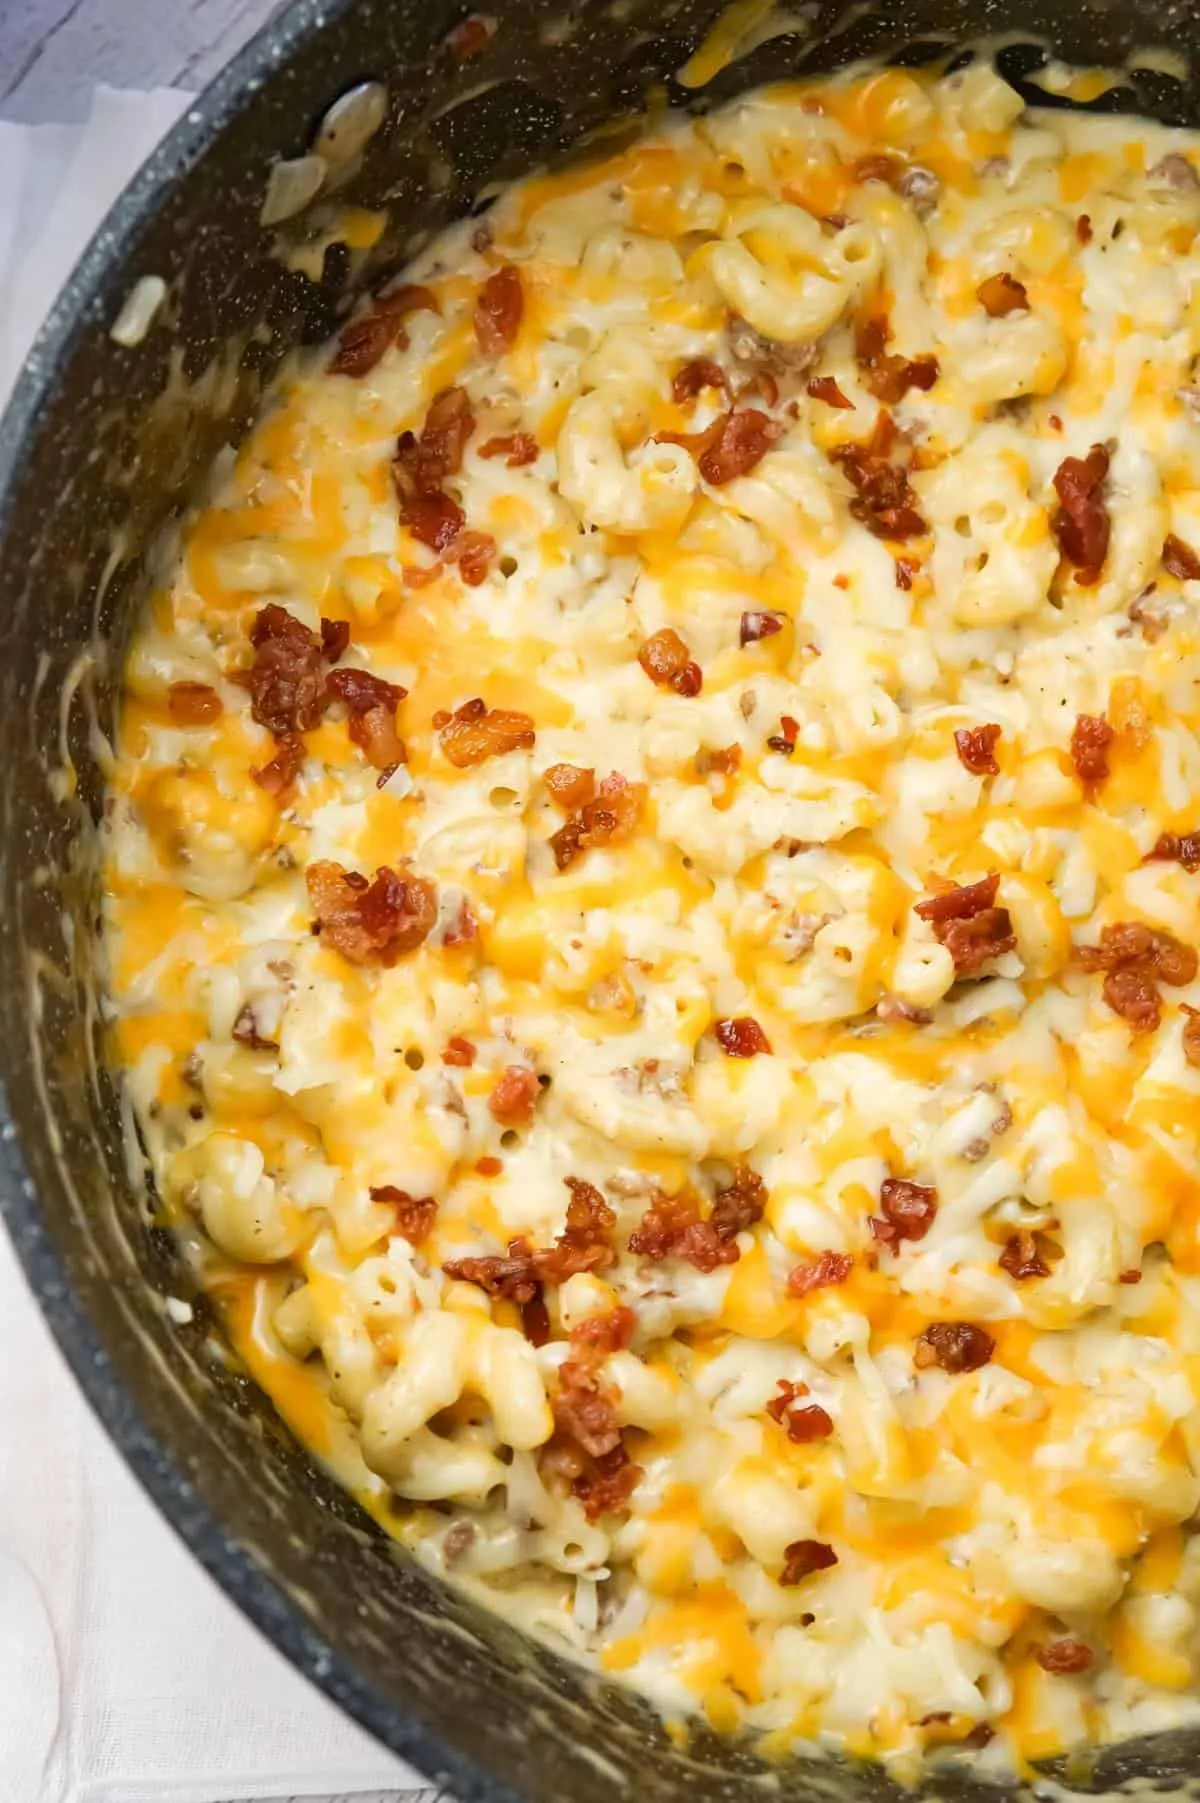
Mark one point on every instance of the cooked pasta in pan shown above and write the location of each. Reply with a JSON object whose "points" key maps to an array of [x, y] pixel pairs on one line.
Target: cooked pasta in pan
{"points": [[653, 894]]}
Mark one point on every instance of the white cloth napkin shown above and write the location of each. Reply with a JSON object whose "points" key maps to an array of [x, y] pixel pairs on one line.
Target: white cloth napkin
{"points": [[125, 1674]]}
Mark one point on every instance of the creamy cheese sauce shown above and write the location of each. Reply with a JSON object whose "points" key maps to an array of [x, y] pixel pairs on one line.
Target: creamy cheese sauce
{"points": [[886, 1429]]}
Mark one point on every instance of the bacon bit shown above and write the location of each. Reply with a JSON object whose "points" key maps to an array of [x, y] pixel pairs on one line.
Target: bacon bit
{"points": [[906, 569], [884, 499], [245, 1031], [498, 311], [1134, 1275], [1180, 560], [968, 924], [741, 440], [804, 1422], [672, 1228], [668, 663], [584, 1410], [1136, 959], [460, 1053], [1177, 848], [758, 624], [462, 928], [1054, 423], [421, 465], [975, 746], [473, 553], [287, 678], [416, 577], [696, 376], [802, 1558], [469, 37], [1022, 1257], [415, 1215], [375, 734], [914, 182], [956, 1346], [1001, 295], [363, 341], [1083, 229], [517, 449], [535, 1319], [740, 1205], [888, 377], [371, 922], [435, 519], [600, 1335], [1065, 1657], [568, 785], [909, 1211], [1081, 524], [825, 1271], [475, 732], [361, 691], [193, 704], [785, 741], [610, 819], [490, 1167], [741, 1037], [825, 388], [372, 703], [512, 1275], [607, 1484], [1090, 739], [726, 760], [513, 1098], [278, 776]]}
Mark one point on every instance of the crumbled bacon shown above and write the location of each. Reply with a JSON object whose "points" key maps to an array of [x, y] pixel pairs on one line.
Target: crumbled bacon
{"points": [[421, 464], [461, 928], [335, 637], [804, 1422], [277, 776], [1135, 959], [884, 499], [245, 1031], [436, 519], [286, 681], [512, 1275], [976, 748], [741, 1037], [672, 1228], [1180, 560], [516, 448], [956, 1346], [193, 704], [732, 445], [739, 1205], [1083, 228], [606, 1484], [802, 1558], [1022, 1256], [475, 732], [1065, 1657], [611, 1331], [889, 377], [584, 1409], [906, 569], [370, 922], [414, 1215], [1091, 737], [363, 341], [1081, 524], [469, 37], [498, 311], [459, 1052], [569, 785], [1001, 295], [512, 1100], [824, 1272], [969, 925], [372, 704], [1177, 848], [758, 624], [696, 376], [913, 181], [610, 818], [784, 741], [825, 388], [668, 663], [909, 1211], [473, 553], [535, 1318]]}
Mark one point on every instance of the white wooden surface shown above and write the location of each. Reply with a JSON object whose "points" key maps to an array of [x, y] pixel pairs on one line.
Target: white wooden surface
{"points": [[53, 52]]}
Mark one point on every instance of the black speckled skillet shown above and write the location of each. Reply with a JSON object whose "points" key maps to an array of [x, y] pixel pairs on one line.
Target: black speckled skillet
{"points": [[101, 449]]}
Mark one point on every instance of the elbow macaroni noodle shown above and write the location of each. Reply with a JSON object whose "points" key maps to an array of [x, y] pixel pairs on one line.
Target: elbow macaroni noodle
{"points": [[837, 1531]]}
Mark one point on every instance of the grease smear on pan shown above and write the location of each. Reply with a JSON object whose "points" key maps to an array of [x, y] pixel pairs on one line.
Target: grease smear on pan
{"points": [[653, 886]]}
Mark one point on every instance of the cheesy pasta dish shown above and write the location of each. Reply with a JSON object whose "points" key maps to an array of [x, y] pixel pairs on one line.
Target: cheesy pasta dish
{"points": [[652, 906]]}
